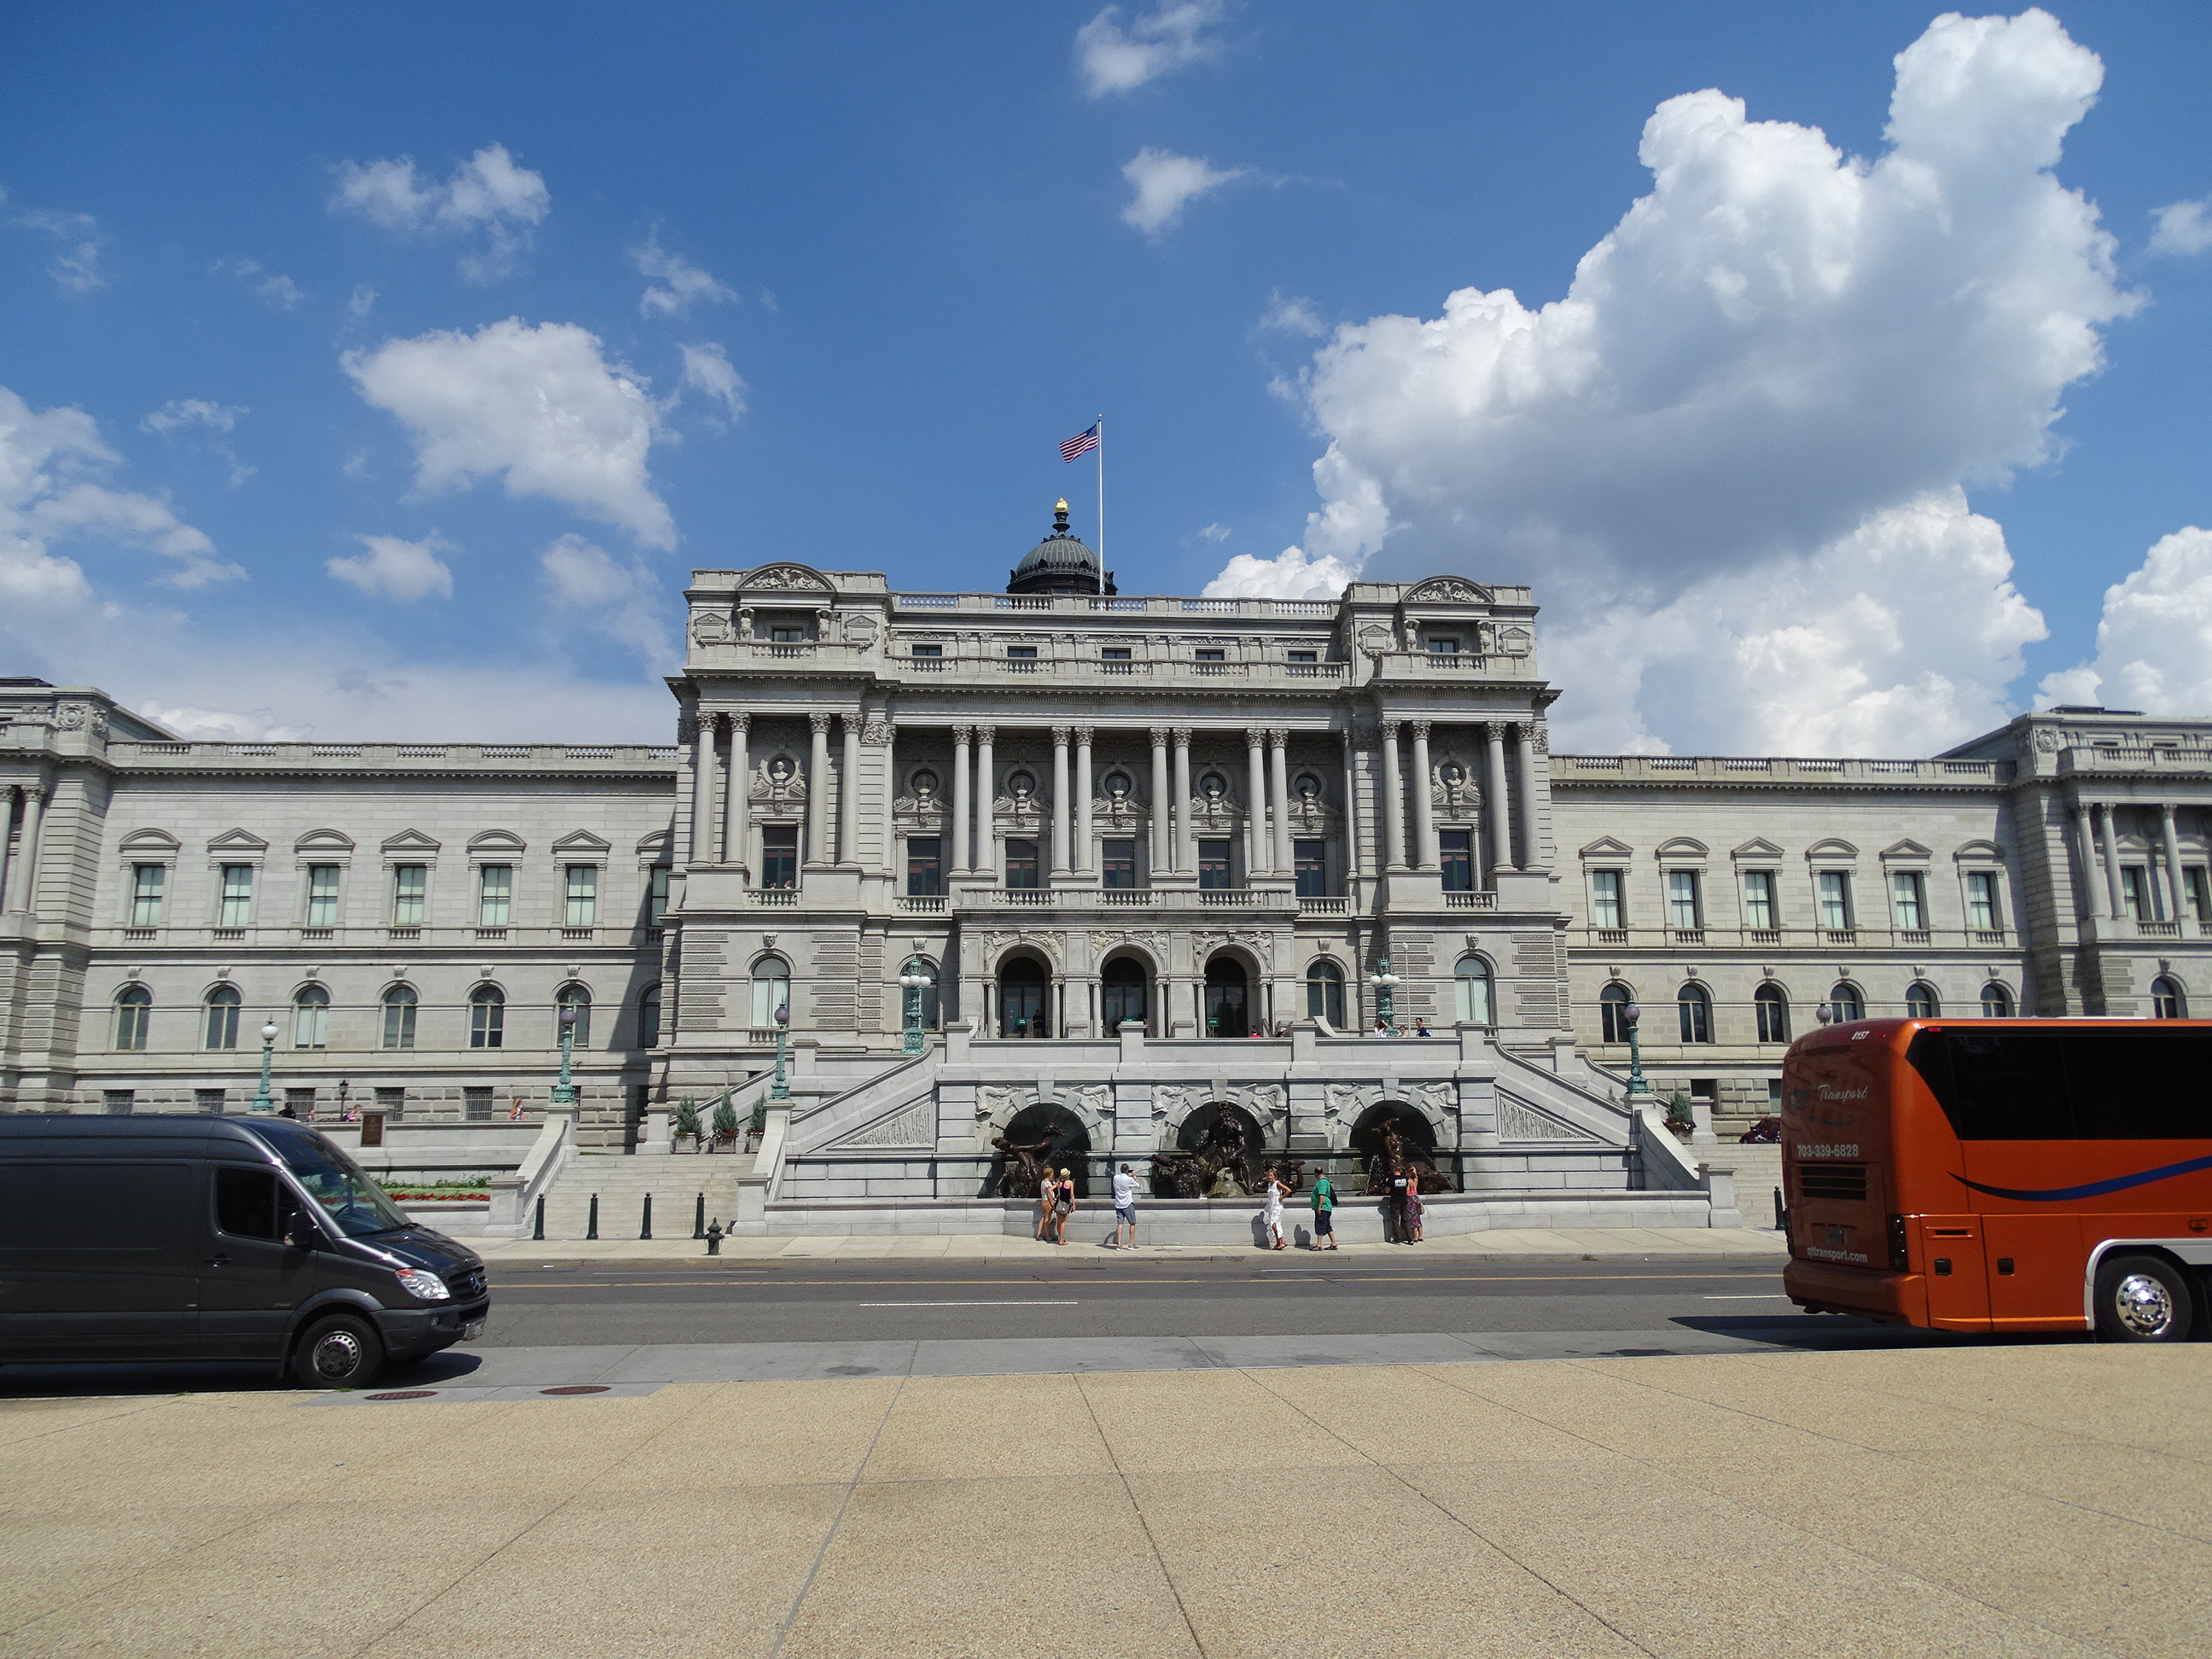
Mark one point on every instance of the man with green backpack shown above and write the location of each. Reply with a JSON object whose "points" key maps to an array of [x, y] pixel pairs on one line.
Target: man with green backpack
{"points": [[1324, 1211]]}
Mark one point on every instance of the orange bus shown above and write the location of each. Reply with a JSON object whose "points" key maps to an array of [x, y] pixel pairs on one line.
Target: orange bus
{"points": [[2003, 1175]]}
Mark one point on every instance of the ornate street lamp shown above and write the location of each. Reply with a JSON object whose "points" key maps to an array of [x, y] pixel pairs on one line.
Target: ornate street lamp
{"points": [[1633, 1017], [781, 1089], [262, 1102], [914, 978], [564, 1092], [1384, 980]]}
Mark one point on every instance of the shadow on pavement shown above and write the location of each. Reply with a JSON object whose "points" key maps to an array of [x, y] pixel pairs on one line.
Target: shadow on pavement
{"points": [[1827, 1332], [20, 1382]]}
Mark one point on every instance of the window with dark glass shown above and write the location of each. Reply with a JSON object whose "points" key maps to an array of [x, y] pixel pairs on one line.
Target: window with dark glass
{"points": [[1442, 645], [1213, 864], [656, 895], [1612, 1006], [1209, 655], [1114, 653], [1021, 863], [778, 855], [1117, 864], [1022, 653], [1455, 851], [488, 1017], [1772, 1004], [1693, 1004], [924, 866], [929, 651], [1305, 656], [787, 637], [1309, 861]]}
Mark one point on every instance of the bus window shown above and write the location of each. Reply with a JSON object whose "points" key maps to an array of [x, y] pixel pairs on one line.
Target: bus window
{"points": [[2003, 1085]]}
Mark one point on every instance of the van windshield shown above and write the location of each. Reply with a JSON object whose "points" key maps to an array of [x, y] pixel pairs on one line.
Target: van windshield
{"points": [[354, 1205]]}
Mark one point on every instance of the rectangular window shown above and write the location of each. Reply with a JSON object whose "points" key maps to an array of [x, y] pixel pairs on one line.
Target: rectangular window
{"points": [[924, 866], [476, 1105], [118, 1103], [409, 884], [145, 881], [1759, 899], [929, 651], [1455, 851], [1310, 863], [1114, 653], [392, 1102], [1606, 907], [1442, 645], [1908, 900], [2200, 891], [237, 908], [1117, 863], [1021, 863], [778, 855], [1208, 655], [1021, 652], [494, 895], [245, 1203], [322, 895], [1835, 887], [302, 1103], [1213, 865], [2135, 889], [583, 909], [656, 895], [1305, 656], [787, 637], [208, 1100], [1682, 900]]}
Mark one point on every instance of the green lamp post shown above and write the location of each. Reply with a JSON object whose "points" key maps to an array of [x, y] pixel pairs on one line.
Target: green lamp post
{"points": [[1633, 1017], [914, 978], [564, 1092], [1384, 982], [781, 1088], [262, 1102]]}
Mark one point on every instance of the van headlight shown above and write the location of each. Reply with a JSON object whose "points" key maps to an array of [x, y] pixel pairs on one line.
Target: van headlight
{"points": [[427, 1285]]}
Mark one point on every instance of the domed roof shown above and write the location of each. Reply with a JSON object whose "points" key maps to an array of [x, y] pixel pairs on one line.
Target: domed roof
{"points": [[1059, 563]]}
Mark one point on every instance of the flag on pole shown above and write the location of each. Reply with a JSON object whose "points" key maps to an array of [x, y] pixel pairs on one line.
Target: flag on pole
{"points": [[1081, 444]]}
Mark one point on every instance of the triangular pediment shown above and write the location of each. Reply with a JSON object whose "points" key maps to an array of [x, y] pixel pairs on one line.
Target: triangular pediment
{"points": [[1907, 848], [1757, 847], [1606, 847], [324, 841], [237, 841], [409, 841], [580, 840]]}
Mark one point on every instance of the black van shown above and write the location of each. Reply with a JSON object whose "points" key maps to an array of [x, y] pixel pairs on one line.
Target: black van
{"points": [[192, 1237]]}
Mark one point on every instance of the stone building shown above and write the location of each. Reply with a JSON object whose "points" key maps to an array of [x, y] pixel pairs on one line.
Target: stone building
{"points": [[1086, 821]]}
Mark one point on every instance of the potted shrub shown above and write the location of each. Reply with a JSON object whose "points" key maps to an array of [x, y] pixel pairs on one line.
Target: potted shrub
{"points": [[725, 1123], [687, 1121], [1679, 1116]]}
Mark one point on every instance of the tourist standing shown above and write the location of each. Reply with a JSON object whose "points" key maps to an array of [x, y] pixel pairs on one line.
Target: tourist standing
{"points": [[1324, 1211], [1278, 1189], [1413, 1205], [1421, 1026], [1047, 1195], [1125, 1209], [1063, 1206], [1394, 1205]]}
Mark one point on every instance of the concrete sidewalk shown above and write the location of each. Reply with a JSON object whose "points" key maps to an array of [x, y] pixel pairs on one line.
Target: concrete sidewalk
{"points": [[2031, 1500], [1602, 1244]]}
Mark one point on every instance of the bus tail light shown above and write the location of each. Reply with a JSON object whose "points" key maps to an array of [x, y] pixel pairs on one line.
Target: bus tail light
{"points": [[1900, 1260]]}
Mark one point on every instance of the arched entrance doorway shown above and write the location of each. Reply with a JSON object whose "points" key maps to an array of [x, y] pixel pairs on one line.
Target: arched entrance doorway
{"points": [[1024, 999], [1227, 998], [1122, 994], [1417, 1145], [1037, 1137]]}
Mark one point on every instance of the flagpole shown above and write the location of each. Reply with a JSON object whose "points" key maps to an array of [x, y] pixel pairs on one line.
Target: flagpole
{"points": [[1102, 507]]}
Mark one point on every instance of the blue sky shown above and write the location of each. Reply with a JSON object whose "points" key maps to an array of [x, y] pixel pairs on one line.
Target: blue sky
{"points": [[315, 484]]}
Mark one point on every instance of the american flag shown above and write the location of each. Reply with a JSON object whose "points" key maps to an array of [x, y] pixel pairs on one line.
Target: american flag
{"points": [[1081, 444]]}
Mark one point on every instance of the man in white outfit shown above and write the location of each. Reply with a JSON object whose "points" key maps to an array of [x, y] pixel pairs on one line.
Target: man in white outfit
{"points": [[1125, 1209]]}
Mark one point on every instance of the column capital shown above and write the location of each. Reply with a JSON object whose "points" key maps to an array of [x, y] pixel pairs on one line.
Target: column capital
{"points": [[1160, 735], [964, 734], [1060, 736], [818, 724], [1255, 737], [1388, 730], [740, 721], [1420, 730], [1279, 736], [986, 733], [1084, 733], [1181, 736]]}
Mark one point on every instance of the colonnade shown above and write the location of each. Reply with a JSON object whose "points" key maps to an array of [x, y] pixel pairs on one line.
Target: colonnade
{"points": [[721, 789], [2097, 837], [23, 808], [1501, 809]]}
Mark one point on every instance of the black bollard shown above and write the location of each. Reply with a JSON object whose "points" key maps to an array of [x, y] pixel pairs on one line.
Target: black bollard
{"points": [[538, 1230], [646, 1232], [699, 1217], [713, 1236], [591, 1228]]}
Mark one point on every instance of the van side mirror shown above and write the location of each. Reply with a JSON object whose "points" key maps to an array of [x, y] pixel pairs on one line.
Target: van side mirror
{"points": [[300, 1234]]}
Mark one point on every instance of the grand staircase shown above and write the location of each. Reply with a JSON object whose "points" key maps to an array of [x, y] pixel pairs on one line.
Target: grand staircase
{"points": [[674, 1179]]}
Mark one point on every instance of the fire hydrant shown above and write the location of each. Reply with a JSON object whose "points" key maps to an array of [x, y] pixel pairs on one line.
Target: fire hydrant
{"points": [[715, 1236]]}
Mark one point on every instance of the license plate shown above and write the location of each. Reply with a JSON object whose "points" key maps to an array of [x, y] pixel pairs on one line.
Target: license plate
{"points": [[472, 1330]]}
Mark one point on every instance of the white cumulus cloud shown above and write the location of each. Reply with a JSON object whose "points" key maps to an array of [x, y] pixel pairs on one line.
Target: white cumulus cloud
{"points": [[268, 286], [76, 264], [620, 598], [1163, 184], [2182, 227], [216, 421], [706, 368], [489, 195], [2155, 643], [541, 406], [675, 284], [1112, 57], [393, 569], [1782, 361]]}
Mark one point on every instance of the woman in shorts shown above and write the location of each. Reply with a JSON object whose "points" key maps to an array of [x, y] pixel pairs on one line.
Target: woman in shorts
{"points": [[1063, 1206]]}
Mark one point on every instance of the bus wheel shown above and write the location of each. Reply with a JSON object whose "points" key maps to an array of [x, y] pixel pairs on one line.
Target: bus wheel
{"points": [[2141, 1298], [340, 1352]]}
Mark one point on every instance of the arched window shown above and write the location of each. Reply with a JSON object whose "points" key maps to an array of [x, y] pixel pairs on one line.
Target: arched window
{"points": [[487, 1018], [1997, 1001], [932, 1012], [1845, 1004], [1921, 1001], [1693, 1006], [1325, 992], [400, 1017], [1771, 1003], [134, 1010], [311, 1017], [2166, 999], [579, 999], [771, 990], [648, 1017], [1471, 977], [1612, 1006], [222, 1017]]}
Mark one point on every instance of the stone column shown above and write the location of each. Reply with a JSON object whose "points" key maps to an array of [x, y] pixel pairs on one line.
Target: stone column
{"points": [[2111, 840], [1185, 860], [1501, 837], [848, 791], [886, 736], [1352, 865], [1162, 855], [1085, 848], [1424, 811], [1394, 801], [964, 828], [2169, 839], [23, 868], [1257, 856], [2093, 891], [986, 784], [7, 828], [741, 783], [1060, 738], [817, 792], [1531, 738], [699, 849], [1279, 796]]}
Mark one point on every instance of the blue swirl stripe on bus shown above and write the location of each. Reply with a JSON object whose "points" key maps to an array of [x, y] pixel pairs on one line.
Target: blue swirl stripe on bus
{"points": [[2094, 1189]]}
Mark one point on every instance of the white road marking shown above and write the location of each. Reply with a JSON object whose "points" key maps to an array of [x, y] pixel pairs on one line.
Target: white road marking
{"points": [[968, 1305], [1763, 1296]]}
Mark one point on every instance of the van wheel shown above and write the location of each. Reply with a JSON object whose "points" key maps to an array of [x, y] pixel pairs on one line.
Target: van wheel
{"points": [[2141, 1298], [340, 1352]]}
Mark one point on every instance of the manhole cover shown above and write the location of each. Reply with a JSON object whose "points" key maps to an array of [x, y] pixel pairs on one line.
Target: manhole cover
{"points": [[1641, 1353], [404, 1394], [578, 1387], [849, 1370]]}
